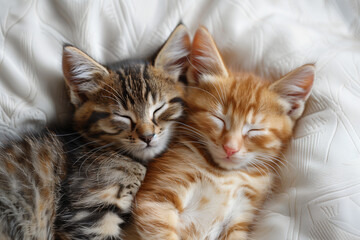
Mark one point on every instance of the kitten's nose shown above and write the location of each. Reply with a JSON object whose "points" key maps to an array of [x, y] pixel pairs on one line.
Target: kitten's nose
{"points": [[147, 138], [229, 151]]}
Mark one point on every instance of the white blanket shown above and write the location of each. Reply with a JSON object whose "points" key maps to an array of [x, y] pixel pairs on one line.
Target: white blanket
{"points": [[320, 195]]}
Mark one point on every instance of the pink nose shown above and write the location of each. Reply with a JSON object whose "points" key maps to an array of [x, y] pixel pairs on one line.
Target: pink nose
{"points": [[229, 151]]}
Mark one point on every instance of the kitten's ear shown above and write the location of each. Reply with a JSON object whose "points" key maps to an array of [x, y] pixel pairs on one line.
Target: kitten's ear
{"points": [[295, 88], [205, 58], [173, 56], [82, 73]]}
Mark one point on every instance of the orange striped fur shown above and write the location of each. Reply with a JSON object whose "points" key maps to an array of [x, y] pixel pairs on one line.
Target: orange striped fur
{"points": [[222, 165]]}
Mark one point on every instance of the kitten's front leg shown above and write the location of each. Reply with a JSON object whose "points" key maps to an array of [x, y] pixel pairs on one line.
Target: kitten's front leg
{"points": [[134, 174], [101, 198]]}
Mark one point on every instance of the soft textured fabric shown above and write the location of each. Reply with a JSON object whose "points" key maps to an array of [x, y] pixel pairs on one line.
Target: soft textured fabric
{"points": [[320, 194]]}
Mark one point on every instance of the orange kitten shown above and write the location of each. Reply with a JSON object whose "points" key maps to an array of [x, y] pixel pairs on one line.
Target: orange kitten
{"points": [[219, 170]]}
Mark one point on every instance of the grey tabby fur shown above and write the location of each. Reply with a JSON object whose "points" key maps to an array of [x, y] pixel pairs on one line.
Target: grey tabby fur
{"points": [[80, 182]]}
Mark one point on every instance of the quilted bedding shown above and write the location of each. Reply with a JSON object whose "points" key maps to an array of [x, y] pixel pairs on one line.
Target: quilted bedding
{"points": [[320, 194]]}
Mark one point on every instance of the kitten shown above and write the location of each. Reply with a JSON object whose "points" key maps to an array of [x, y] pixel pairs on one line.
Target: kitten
{"points": [[80, 184], [222, 164]]}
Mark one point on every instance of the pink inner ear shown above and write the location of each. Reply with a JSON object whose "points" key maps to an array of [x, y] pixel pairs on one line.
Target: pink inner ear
{"points": [[198, 52], [68, 68], [295, 87], [204, 57], [296, 84], [173, 57], [305, 84]]}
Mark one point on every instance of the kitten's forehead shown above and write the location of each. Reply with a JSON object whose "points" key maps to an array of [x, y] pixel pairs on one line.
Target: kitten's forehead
{"points": [[244, 100], [137, 87], [139, 90]]}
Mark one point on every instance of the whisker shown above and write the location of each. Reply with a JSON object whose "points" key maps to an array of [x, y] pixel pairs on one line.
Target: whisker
{"points": [[269, 165], [66, 134], [95, 141], [197, 88], [256, 167], [190, 127], [189, 131], [72, 140], [98, 149], [86, 154]]}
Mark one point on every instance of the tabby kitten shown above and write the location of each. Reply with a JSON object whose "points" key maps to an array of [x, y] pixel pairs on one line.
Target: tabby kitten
{"points": [[222, 165], [80, 184]]}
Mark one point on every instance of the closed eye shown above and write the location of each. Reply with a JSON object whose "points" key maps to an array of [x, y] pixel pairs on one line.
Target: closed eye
{"points": [[158, 109], [219, 121], [255, 129], [157, 112], [253, 132], [124, 118]]}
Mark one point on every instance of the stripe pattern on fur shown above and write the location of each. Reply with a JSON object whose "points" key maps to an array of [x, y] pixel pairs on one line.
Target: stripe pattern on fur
{"points": [[80, 182], [227, 153]]}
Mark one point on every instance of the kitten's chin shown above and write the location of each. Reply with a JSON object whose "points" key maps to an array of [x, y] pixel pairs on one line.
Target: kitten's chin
{"points": [[146, 153], [230, 163]]}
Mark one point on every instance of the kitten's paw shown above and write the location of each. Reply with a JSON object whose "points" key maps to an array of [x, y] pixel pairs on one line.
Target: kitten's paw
{"points": [[125, 202], [128, 192], [132, 188], [139, 171]]}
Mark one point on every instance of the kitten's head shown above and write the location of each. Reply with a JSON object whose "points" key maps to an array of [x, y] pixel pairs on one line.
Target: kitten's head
{"points": [[241, 119], [131, 105]]}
